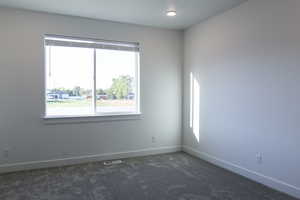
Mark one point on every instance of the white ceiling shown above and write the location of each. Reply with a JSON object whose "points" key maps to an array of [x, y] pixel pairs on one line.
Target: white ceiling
{"points": [[144, 12]]}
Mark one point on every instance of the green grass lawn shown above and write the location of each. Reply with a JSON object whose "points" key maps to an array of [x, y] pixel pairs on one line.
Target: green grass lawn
{"points": [[88, 102]]}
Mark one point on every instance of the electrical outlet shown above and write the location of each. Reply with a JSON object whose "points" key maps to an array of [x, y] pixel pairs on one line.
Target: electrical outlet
{"points": [[259, 158], [153, 139]]}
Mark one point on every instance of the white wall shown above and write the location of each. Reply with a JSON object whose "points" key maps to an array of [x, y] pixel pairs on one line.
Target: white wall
{"points": [[21, 90], [247, 63]]}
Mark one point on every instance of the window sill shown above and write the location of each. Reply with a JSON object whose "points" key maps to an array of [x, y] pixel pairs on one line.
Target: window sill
{"points": [[91, 118]]}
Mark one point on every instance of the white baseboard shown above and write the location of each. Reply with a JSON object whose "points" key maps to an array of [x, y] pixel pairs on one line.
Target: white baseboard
{"points": [[255, 176], [5, 168]]}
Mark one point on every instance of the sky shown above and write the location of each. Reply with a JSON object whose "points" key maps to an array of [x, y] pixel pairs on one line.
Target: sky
{"points": [[67, 67]]}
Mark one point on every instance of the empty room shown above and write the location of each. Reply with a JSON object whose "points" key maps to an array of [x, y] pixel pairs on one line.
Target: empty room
{"points": [[150, 100]]}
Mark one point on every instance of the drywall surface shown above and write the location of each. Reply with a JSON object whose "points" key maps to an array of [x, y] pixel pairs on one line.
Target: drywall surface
{"points": [[246, 65], [28, 138]]}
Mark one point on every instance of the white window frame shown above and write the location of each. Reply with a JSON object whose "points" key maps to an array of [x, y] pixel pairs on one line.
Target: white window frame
{"points": [[94, 44]]}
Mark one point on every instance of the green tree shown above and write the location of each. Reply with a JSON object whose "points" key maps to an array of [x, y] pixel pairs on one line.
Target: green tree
{"points": [[120, 87], [100, 91], [76, 91]]}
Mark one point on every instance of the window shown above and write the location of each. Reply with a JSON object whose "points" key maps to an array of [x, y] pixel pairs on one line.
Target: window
{"points": [[87, 77]]}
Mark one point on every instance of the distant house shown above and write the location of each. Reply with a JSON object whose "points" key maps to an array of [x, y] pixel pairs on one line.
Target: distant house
{"points": [[102, 96], [130, 96], [56, 96], [77, 97]]}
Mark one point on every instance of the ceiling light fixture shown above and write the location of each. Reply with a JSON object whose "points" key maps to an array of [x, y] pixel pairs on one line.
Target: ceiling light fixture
{"points": [[171, 13]]}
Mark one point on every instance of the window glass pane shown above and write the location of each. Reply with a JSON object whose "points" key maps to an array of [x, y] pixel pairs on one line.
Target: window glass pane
{"points": [[69, 81], [116, 86]]}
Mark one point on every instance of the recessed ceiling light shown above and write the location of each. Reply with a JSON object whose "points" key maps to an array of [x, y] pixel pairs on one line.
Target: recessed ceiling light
{"points": [[171, 13]]}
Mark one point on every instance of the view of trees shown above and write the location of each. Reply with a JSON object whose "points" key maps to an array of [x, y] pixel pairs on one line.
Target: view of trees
{"points": [[120, 89], [76, 91]]}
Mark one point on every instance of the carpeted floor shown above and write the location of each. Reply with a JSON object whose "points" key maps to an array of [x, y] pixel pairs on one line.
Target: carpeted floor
{"points": [[175, 176]]}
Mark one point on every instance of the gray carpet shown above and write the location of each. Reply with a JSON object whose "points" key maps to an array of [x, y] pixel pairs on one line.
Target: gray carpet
{"points": [[175, 176]]}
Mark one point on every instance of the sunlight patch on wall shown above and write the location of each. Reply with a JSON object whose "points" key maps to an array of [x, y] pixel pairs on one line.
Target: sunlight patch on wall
{"points": [[195, 106]]}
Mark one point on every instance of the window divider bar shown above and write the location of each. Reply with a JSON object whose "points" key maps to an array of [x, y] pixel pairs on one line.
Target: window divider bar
{"points": [[94, 84]]}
